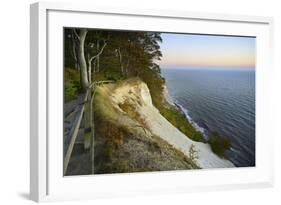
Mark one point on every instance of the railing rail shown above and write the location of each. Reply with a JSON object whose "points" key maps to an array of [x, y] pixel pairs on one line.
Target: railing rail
{"points": [[85, 111]]}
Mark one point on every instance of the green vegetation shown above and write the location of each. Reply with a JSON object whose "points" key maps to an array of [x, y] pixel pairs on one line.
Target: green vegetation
{"points": [[155, 84], [121, 149], [125, 55], [219, 144], [71, 84], [193, 153], [117, 56], [179, 121]]}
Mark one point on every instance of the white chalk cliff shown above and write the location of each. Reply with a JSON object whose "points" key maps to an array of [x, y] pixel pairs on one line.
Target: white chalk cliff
{"points": [[136, 93]]}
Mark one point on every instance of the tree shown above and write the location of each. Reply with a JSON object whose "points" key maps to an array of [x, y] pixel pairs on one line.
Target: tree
{"points": [[119, 43], [80, 37], [94, 57], [86, 49], [125, 52], [74, 50], [70, 50], [137, 51]]}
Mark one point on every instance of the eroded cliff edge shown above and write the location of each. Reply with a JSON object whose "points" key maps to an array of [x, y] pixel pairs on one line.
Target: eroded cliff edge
{"points": [[132, 135]]}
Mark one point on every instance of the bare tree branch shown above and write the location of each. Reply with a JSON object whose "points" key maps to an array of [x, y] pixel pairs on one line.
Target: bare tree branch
{"points": [[76, 34], [93, 58], [100, 52], [91, 45]]}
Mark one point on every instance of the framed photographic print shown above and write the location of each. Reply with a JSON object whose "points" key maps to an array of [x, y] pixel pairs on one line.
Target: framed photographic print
{"points": [[127, 102]]}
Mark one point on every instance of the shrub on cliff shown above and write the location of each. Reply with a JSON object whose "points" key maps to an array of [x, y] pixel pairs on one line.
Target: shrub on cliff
{"points": [[219, 144]]}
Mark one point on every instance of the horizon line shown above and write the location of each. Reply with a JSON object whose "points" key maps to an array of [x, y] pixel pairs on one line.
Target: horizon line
{"points": [[173, 66]]}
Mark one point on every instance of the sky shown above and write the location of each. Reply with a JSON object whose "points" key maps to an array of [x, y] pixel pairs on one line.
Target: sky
{"points": [[193, 50]]}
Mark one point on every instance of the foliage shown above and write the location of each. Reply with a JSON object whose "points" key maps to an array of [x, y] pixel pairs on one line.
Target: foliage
{"points": [[219, 144], [129, 54], [179, 121], [113, 75], [126, 55], [118, 54], [155, 84], [193, 153], [71, 84]]}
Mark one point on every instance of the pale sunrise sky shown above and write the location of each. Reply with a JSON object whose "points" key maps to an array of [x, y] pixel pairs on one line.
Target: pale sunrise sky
{"points": [[191, 50]]}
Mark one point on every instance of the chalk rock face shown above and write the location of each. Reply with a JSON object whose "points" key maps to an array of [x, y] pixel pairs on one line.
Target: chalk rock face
{"points": [[134, 91], [145, 94], [135, 94], [167, 96]]}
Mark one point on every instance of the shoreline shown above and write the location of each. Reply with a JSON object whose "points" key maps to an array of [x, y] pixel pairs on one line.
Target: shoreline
{"points": [[204, 131], [156, 124], [172, 102]]}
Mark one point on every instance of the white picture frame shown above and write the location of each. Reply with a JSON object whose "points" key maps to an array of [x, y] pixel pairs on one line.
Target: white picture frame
{"points": [[46, 177]]}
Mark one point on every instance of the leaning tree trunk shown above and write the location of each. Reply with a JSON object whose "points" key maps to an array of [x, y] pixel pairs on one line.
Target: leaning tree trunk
{"points": [[74, 49], [98, 58], [90, 69], [81, 60], [120, 60], [95, 57]]}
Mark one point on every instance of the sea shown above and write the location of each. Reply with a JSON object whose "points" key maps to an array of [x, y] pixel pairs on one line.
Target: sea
{"points": [[218, 100]]}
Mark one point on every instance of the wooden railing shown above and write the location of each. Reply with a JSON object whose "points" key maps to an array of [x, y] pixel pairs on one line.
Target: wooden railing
{"points": [[86, 112]]}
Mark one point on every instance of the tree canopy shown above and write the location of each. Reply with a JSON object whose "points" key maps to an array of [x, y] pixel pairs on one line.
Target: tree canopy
{"points": [[111, 54]]}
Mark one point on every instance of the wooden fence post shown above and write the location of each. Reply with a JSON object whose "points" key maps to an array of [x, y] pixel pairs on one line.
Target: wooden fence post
{"points": [[93, 131], [87, 121], [73, 135], [86, 112]]}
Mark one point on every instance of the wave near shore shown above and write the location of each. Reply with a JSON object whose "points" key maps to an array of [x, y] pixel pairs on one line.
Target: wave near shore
{"points": [[184, 111]]}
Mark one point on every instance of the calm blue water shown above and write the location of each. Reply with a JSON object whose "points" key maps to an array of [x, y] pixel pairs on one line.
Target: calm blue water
{"points": [[222, 101]]}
